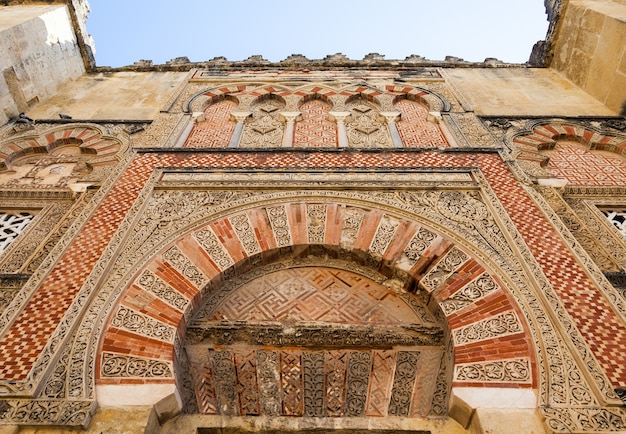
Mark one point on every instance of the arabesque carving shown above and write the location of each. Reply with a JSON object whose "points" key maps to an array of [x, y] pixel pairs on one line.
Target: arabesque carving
{"points": [[265, 130], [559, 372], [364, 130]]}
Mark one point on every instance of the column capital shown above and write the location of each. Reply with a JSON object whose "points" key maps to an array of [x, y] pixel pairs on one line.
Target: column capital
{"points": [[390, 117], [339, 116], [290, 116], [240, 116], [435, 117], [197, 117]]}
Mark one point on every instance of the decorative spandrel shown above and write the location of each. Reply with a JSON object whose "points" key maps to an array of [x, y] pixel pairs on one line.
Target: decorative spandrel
{"points": [[264, 130], [364, 129]]}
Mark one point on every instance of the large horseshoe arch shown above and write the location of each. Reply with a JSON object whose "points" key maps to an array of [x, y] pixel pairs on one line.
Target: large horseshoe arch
{"points": [[316, 307]]}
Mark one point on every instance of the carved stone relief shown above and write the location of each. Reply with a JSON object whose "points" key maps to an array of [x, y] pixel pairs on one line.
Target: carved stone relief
{"points": [[447, 265], [265, 130], [58, 158], [588, 231], [515, 370], [329, 374], [280, 225], [564, 371], [50, 221], [617, 219], [469, 131], [128, 319], [364, 130], [116, 366], [590, 210], [505, 324], [316, 221], [208, 240], [468, 221], [245, 233], [417, 202], [469, 294], [181, 263]]}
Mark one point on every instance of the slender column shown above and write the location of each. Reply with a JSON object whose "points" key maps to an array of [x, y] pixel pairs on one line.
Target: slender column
{"points": [[437, 118], [342, 135], [191, 121], [391, 118], [240, 118], [290, 118]]}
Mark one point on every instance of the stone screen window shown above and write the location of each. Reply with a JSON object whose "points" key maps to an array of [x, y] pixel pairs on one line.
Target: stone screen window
{"points": [[12, 223], [617, 219]]}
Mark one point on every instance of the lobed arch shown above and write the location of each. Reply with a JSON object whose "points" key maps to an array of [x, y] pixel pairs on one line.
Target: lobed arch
{"points": [[542, 135], [200, 101], [267, 97], [432, 100], [214, 128], [314, 127], [87, 140], [308, 97], [379, 243]]}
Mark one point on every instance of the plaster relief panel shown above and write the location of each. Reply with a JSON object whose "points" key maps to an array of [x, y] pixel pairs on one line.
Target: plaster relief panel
{"points": [[265, 129], [364, 129]]}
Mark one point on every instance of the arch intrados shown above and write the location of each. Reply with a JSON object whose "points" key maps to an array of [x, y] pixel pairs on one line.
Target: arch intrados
{"points": [[268, 97], [315, 97], [218, 99], [414, 98], [362, 97], [312, 255]]}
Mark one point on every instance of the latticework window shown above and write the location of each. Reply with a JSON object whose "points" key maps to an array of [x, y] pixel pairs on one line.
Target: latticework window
{"points": [[11, 225], [617, 218]]}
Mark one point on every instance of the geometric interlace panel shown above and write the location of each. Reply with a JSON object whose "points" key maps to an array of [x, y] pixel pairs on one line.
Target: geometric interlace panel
{"points": [[319, 342], [11, 225], [582, 166]]}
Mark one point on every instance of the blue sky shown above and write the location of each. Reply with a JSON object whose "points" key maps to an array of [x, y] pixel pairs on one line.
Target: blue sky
{"points": [[128, 30]]}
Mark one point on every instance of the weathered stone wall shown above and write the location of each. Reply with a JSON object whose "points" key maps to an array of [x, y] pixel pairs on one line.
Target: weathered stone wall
{"points": [[38, 52], [521, 91], [589, 49], [114, 95], [486, 91]]}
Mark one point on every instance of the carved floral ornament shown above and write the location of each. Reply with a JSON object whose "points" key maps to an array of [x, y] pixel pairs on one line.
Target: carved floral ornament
{"points": [[532, 144], [464, 213], [466, 209], [561, 382], [58, 158]]}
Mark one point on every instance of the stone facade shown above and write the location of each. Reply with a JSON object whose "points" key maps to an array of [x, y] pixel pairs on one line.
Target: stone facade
{"points": [[395, 246]]}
